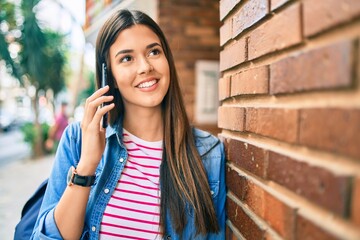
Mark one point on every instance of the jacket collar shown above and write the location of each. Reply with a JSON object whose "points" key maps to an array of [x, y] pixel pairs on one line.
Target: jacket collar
{"points": [[204, 141], [115, 128]]}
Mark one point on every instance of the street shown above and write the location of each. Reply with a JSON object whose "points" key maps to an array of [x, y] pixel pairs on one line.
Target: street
{"points": [[19, 178], [12, 147]]}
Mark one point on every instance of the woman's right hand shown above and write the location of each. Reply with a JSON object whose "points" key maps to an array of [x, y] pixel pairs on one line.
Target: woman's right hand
{"points": [[93, 135]]}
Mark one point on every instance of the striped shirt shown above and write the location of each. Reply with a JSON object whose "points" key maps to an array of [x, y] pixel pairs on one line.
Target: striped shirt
{"points": [[133, 211]]}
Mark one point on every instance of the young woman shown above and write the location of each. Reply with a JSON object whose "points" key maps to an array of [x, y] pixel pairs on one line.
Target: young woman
{"points": [[149, 174]]}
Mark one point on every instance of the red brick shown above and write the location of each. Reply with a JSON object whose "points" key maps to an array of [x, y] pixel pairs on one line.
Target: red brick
{"points": [[176, 19], [277, 3], [226, 6], [317, 184], [233, 55], [231, 118], [229, 234], [269, 236], [210, 42], [226, 143], [307, 230], [246, 191], [224, 87], [236, 183], [250, 13], [246, 226], [323, 68], [334, 130], [279, 32], [272, 122], [355, 203], [225, 32], [251, 81], [254, 197], [247, 156], [280, 216], [331, 13], [199, 31]]}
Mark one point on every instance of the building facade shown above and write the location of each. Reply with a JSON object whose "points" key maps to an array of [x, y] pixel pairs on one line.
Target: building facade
{"points": [[289, 114], [290, 118]]}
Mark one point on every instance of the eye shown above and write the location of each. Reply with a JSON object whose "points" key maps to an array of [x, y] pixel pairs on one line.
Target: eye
{"points": [[154, 52], [126, 59]]}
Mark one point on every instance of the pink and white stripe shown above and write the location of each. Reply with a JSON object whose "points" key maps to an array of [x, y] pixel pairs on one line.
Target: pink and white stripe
{"points": [[133, 211]]}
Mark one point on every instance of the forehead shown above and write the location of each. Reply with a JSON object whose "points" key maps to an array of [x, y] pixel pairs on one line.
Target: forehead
{"points": [[136, 36]]}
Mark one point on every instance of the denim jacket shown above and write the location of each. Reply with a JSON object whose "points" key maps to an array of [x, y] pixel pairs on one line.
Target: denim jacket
{"points": [[108, 172]]}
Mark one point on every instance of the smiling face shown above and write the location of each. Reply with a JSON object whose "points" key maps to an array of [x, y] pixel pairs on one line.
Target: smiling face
{"points": [[140, 67]]}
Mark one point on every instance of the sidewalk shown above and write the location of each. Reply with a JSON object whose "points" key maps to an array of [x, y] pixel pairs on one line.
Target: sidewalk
{"points": [[18, 181]]}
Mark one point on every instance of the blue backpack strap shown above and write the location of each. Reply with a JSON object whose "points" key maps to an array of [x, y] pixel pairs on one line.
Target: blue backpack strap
{"points": [[29, 213]]}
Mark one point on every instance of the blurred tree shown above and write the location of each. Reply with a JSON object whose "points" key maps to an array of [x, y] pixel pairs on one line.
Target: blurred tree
{"points": [[55, 50], [7, 26], [90, 89], [41, 60]]}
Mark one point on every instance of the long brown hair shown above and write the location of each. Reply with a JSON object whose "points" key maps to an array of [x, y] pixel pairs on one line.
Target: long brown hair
{"points": [[182, 175]]}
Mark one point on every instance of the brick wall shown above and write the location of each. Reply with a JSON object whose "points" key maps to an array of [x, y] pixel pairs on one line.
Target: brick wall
{"points": [[290, 118], [192, 29]]}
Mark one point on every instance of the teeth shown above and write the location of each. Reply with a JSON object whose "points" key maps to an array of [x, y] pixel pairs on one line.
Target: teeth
{"points": [[147, 84]]}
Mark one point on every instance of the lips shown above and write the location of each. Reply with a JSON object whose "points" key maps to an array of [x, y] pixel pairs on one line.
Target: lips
{"points": [[147, 84]]}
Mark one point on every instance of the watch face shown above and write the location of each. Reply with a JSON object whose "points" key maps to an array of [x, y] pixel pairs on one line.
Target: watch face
{"points": [[70, 175]]}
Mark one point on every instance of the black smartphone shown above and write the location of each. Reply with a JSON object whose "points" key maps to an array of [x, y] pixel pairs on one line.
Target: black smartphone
{"points": [[103, 84]]}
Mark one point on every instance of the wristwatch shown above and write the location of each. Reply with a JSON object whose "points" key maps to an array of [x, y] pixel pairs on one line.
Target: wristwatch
{"points": [[73, 178]]}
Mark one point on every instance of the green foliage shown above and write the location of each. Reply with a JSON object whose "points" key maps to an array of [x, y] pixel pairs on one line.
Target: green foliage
{"points": [[34, 58], [41, 59], [42, 55], [84, 94], [55, 66], [7, 18], [30, 133], [7, 13], [32, 52]]}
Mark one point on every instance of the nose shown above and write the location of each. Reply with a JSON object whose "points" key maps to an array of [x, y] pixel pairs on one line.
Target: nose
{"points": [[144, 66]]}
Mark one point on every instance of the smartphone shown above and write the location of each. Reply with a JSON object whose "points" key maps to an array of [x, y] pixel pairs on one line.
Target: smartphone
{"points": [[103, 84]]}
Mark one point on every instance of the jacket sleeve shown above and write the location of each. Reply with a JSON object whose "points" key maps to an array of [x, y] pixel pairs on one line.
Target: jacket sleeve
{"points": [[67, 155]]}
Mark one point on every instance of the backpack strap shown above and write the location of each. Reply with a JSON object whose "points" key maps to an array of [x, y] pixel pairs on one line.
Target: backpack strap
{"points": [[29, 213]]}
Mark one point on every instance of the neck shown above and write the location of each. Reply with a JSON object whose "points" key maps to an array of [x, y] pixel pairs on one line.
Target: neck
{"points": [[144, 123]]}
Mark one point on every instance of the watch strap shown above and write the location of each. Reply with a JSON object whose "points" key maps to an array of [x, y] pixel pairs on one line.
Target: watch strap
{"points": [[85, 181], [74, 178]]}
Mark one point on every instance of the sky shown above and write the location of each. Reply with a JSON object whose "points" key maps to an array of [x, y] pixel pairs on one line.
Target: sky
{"points": [[67, 19]]}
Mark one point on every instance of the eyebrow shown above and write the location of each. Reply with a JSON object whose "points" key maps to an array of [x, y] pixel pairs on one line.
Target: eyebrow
{"points": [[131, 50]]}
